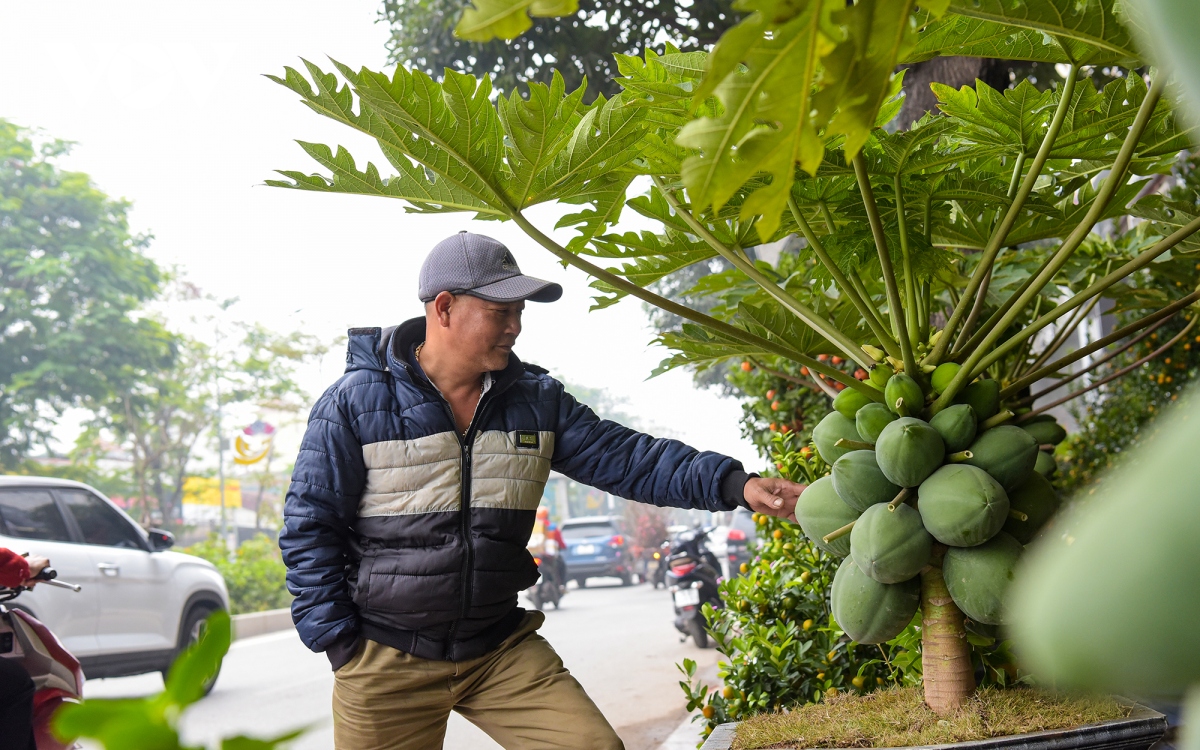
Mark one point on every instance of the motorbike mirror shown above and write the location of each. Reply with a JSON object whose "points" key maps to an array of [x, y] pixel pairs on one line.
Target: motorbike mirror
{"points": [[160, 539]]}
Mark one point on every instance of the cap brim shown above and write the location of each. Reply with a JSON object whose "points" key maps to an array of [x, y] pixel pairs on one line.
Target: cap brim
{"points": [[517, 289]]}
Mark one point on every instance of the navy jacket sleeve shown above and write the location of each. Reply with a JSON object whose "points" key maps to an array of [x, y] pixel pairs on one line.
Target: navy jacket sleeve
{"points": [[321, 505], [636, 466]]}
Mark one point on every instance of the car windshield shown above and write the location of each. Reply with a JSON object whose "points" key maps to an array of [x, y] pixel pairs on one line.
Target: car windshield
{"points": [[585, 530]]}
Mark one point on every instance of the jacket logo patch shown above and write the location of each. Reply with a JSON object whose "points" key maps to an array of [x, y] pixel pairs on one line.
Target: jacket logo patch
{"points": [[529, 440]]}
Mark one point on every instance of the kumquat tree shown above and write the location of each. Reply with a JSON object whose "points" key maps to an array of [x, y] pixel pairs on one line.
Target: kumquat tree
{"points": [[948, 260]]}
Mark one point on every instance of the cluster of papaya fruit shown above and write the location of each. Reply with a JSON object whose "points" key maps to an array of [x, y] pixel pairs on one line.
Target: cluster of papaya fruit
{"points": [[900, 485]]}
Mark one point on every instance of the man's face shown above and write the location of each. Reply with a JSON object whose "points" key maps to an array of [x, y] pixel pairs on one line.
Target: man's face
{"points": [[483, 333]]}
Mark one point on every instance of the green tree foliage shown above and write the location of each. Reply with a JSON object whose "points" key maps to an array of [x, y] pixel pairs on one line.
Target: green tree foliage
{"points": [[152, 723], [254, 573], [72, 278], [166, 413], [952, 244], [578, 44]]}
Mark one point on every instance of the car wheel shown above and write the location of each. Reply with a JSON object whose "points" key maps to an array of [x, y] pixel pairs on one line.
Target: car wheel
{"points": [[626, 579], [581, 582], [193, 627]]}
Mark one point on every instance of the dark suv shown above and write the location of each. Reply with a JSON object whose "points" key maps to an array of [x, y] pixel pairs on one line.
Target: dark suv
{"points": [[596, 547], [741, 532]]}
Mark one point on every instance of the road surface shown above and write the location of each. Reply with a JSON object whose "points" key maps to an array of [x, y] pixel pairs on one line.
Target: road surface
{"points": [[618, 642]]}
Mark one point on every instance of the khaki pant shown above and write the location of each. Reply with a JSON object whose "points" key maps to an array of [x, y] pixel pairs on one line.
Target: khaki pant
{"points": [[520, 695]]}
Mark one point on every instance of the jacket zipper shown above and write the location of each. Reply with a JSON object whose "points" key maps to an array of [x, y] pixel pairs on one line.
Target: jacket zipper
{"points": [[465, 443]]}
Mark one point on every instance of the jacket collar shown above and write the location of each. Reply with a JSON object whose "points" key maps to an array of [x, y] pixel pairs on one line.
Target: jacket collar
{"points": [[404, 338]]}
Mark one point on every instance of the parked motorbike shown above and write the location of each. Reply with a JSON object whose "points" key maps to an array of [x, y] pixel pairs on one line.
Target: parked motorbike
{"points": [[552, 585], [57, 676], [692, 577]]}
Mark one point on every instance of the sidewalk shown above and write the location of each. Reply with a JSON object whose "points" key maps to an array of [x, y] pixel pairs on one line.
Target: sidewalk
{"points": [[685, 737]]}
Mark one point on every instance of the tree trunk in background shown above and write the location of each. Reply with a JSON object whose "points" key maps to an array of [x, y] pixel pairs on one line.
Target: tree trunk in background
{"points": [[945, 654], [952, 71]]}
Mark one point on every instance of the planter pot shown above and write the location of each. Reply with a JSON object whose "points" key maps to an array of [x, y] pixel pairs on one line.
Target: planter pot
{"points": [[1138, 731]]}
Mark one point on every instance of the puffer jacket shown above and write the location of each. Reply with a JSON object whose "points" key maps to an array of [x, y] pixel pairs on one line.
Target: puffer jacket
{"points": [[400, 530]]}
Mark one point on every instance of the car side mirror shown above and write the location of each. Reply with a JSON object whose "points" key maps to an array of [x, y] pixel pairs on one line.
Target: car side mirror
{"points": [[160, 540]]}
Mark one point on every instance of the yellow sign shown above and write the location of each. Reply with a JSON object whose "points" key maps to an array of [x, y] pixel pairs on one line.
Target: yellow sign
{"points": [[245, 453], [207, 491]]}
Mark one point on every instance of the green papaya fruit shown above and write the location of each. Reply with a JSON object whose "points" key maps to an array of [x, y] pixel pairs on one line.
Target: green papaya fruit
{"points": [[880, 374], [962, 505], [889, 545], [1007, 452], [942, 376], [820, 511], [859, 482], [978, 577], [1045, 432], [1035, 498], [831, 429], [956, 424], [849, 401], [983, 396], [908, 450], [871, 419], [903, 395], [1046, 465], [870, 611]]}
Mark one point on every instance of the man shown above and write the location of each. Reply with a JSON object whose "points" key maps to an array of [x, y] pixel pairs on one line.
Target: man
{"points": [[413, 498]]}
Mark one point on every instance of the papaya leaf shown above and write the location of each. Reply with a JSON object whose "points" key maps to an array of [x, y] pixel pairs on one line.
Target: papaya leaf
{"points": [[1087, 30], [410, 184], [537, 127], [762, 73], [1015, 118], [880, 32], [956, 35], [486, 20], [604, 140]]}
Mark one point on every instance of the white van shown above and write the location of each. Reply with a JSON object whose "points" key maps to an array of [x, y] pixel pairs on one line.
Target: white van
{"points": [[140, 604]]}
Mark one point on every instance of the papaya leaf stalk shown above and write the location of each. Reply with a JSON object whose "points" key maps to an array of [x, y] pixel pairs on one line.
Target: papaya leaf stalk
{"points": [[863, 306], [810, 317], [1000, 233], [688, 313], [895, 308], [1055, 263], [1119, 373], [1033, 397], [1158, 316], [1141, 261]]}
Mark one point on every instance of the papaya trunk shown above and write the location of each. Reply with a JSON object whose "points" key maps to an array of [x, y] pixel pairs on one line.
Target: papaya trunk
{"points": [[945, 654]]}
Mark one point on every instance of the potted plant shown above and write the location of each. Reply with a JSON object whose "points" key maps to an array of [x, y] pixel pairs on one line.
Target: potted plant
{"points": [[938, 253]]}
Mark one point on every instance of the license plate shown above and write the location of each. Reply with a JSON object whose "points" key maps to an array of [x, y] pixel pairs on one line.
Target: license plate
{"points": [[687, 597], [585, 549]]}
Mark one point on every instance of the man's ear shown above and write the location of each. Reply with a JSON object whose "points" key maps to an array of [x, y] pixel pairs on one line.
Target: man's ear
{"points": [[441, 305]]}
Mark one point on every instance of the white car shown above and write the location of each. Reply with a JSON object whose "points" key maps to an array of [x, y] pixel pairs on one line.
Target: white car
{"points": [[140, 604]]}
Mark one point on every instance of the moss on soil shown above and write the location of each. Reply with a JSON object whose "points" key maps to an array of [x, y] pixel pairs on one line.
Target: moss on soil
{"points": [[900, 718]]}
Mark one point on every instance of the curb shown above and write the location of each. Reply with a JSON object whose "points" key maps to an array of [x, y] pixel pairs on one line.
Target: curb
{"points": [[261, 623], [685, 736]]}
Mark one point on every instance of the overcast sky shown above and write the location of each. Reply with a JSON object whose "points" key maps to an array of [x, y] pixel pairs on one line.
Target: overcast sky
{"points": [[169, 109]]}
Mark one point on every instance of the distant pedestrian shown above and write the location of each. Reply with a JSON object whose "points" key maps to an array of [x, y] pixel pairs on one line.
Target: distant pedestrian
{"points": [[412, 502]]}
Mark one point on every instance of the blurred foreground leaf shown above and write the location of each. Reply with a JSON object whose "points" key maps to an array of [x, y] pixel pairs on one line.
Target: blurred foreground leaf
{"points": [[152, 723]]}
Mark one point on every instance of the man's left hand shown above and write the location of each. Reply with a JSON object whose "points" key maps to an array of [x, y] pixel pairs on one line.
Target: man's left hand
{"points": [[773, 496]]}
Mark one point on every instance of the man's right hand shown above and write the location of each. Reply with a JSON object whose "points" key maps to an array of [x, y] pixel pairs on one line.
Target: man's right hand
{"points": [[773, 496]]}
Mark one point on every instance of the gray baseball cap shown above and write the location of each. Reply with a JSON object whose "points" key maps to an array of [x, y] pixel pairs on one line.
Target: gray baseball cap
{"points": [[481, 267]]}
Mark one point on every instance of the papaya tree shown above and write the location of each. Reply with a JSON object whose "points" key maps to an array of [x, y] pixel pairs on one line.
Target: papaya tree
{"points": [[949, 261]]}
